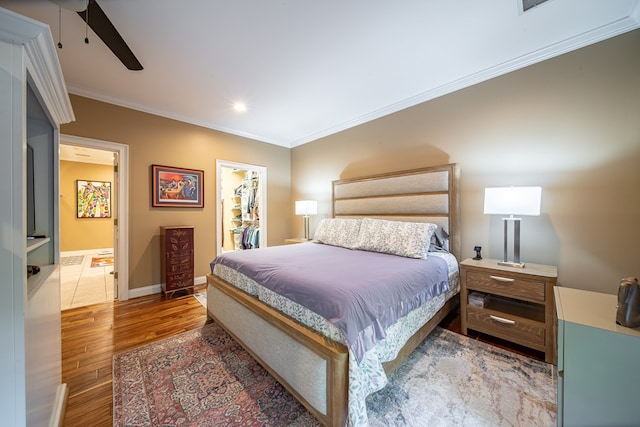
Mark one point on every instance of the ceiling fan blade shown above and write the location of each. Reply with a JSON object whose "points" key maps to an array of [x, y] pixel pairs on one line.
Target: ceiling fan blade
{"points": [[102, 26]]}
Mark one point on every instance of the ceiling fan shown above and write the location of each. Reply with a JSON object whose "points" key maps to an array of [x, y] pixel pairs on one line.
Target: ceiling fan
{"points": [[94, 16]]}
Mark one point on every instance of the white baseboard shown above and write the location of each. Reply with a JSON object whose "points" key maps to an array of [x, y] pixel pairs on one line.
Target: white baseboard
{"points": [[156, 289], [59, 406], [147, 290]]}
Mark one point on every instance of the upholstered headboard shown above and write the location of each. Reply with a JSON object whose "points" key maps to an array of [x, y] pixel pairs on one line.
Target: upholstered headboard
{"points": [[420, 195]]}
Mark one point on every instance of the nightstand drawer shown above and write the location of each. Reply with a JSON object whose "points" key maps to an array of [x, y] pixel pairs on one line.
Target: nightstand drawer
{"points": [[516, 329], [506, 285]]}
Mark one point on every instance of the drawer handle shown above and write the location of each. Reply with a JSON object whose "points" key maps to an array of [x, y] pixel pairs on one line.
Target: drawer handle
{"points": [[502, 320], [502, 279]]}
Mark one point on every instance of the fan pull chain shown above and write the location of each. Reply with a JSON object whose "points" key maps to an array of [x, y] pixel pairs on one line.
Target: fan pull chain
{"points": [[86, 25], [59, 27]]}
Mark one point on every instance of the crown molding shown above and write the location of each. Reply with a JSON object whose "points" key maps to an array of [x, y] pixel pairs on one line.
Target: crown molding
{"points": [[41, 61]]}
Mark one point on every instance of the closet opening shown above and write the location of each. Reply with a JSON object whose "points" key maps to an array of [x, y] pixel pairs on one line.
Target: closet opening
{"points": [[241, 206]]}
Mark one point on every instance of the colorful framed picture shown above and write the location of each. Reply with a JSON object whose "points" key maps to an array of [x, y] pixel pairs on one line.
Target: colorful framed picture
{"points": [[177, 187], [93, 199]]}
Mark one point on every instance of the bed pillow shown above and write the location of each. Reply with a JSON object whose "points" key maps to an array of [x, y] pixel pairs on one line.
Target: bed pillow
{"points": [[439, 240], [407, 239], [342, 232]]}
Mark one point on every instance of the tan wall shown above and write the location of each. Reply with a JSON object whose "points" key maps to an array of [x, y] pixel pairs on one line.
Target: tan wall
{"points": [[569, 124], [156, 140], [82, 233]]}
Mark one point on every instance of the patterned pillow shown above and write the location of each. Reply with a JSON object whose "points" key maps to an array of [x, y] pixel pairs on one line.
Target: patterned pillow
{"points": [[338, 232], [407, 239]]}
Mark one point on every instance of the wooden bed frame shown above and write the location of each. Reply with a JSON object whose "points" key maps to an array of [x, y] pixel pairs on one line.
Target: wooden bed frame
{"points": [[310, 366]]}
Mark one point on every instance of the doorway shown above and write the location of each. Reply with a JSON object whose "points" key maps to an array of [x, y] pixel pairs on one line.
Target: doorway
{"points": [[241, 206], [108, 263]]}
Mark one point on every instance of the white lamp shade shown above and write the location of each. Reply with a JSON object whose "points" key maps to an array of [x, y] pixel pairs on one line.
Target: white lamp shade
{"points": [[306, 207], [512, 200]]}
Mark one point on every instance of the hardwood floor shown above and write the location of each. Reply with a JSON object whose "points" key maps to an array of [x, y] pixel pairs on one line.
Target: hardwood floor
{"points": [[92, 335]]}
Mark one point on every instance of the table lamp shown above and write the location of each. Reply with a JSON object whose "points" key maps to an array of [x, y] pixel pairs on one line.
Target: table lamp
{"points": [[512, 201], [306, 208]]}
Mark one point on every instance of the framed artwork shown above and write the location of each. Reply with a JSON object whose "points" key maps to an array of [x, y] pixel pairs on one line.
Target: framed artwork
{"points": [[177, 187], [93, 199]]}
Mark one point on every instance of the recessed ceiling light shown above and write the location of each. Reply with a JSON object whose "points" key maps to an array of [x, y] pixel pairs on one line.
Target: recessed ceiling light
{"points": [[240, 107]]}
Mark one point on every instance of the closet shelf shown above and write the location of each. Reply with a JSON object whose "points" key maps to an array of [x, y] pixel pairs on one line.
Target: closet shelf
{"points": [[33, 244]]}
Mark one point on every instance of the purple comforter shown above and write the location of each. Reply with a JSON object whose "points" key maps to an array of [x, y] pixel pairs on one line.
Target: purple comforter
{"points": [[360, 292]]}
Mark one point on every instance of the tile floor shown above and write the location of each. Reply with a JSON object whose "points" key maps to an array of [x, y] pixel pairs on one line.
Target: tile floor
{"points": [[82, 284]]}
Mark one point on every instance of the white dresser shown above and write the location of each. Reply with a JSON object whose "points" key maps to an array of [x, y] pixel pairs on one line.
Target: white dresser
{"points": [[598, 362]]}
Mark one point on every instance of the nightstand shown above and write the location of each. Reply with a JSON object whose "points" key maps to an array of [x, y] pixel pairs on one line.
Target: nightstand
{"points": [[519, 307], [295, 240]]}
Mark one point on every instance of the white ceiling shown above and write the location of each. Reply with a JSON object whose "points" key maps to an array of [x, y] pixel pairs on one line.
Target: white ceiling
{"points": [[310, 68], [72, 153]]}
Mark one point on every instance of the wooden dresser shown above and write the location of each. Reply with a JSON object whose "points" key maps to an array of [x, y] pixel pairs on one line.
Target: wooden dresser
{"points": [[519, 306], [176, 244]]}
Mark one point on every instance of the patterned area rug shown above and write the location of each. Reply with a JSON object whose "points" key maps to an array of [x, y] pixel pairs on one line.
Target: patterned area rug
{"points": [[203, 378], [104, 261], [202, 298], [71, 260], [452, 380], [199, 378]]}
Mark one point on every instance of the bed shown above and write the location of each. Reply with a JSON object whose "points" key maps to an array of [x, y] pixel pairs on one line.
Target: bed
{"points": [[324, 364]]}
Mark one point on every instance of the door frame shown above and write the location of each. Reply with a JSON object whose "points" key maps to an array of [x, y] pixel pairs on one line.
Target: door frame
{"points": [[262, 194], [121, 231]]}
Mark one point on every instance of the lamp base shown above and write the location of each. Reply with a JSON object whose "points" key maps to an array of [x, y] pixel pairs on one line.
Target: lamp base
{"points": [[511, 264]]}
